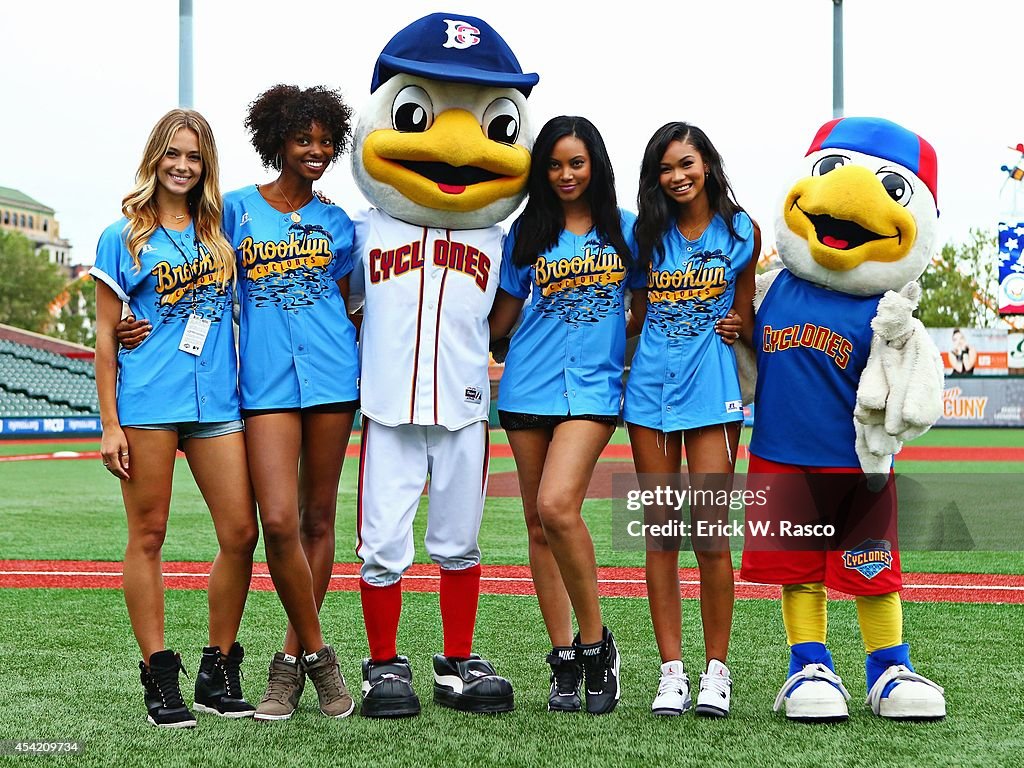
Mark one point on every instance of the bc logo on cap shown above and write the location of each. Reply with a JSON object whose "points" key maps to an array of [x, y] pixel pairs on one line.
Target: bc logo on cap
{"points": [[461, 35]]}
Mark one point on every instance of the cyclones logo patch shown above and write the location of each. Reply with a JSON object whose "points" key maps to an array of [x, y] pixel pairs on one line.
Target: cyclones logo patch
{"points": [[869, 558]]}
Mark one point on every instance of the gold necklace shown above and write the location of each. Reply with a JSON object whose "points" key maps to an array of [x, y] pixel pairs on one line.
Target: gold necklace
{"points": [[694, 232], [295, 215]]}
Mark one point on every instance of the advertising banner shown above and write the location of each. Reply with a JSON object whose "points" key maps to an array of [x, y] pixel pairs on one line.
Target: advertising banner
{"points": [[972, 351]]}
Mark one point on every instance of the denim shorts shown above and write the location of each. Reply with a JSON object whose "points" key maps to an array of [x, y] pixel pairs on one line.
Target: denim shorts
{"points": [[188, 429]]}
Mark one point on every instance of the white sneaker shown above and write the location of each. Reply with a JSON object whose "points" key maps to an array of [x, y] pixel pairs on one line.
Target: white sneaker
{"points": [[914, 697], [715, 690], [673, 696], [815, 694]]}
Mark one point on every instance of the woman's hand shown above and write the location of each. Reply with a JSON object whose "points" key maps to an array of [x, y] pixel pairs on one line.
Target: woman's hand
{"points": [[114, 450], [132, 332], [730, 327]]}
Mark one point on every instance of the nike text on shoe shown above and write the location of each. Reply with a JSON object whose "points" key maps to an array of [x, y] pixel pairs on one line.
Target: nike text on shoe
{"points": [[284, 688], [814, 694], [322, 669], [163, 695], [600, 673], [387, 689], [715, 691], [566, 677], [219, 683], [673, 697], [471, 685]]}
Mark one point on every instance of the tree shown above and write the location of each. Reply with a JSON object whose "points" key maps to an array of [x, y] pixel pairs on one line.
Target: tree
{"points": [[75, 310], [960, 286], [28, 284]]}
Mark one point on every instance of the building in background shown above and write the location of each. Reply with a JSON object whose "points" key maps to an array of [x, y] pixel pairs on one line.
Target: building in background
{"points": [[20, 213]]}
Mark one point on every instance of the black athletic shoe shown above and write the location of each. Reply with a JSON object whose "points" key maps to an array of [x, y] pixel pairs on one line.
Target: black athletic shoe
{"points": [[471, 685], [601, 672], [219, 683], [387, 689], [566, 677], [163, 695]]}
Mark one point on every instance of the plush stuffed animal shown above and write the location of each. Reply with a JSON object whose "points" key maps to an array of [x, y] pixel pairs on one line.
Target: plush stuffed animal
{"points": [[442, 152], [845, 374]]}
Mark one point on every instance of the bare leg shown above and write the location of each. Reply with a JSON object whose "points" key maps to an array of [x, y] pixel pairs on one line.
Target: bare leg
{"points": [[147, 501], [219, 467], [530, 448], [273, 443], [568, 467], [324, 442], [711, 451], [657, 457]]}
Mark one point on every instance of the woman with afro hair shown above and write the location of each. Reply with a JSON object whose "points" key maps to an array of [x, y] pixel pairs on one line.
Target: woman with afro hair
{"points": [[298, 371]]}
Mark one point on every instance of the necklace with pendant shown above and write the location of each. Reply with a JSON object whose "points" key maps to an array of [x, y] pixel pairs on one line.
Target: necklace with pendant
{"points": [[694, 232], [295, 216]]}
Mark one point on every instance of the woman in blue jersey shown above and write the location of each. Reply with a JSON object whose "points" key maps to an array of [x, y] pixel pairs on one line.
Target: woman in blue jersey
{"points": [[562, 385], [299, 371], [168, 260], [699, 249]]}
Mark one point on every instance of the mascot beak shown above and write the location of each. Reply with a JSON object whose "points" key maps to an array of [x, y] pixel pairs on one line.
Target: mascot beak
{"points": [[451, 166], [848, 217]]}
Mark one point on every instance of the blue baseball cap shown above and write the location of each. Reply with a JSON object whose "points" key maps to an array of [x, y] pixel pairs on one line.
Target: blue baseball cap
{"points": [[454, 48]]}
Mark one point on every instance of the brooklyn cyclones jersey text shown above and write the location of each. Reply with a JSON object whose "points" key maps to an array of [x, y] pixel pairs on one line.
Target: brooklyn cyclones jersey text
{"points": [[296, 344], [568, 353], [682, 375], [424, 338], [156, 381]]}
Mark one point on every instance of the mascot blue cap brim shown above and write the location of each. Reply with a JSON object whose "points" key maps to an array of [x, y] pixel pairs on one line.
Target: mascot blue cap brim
{"points": [[453, 48], [881, 138]]}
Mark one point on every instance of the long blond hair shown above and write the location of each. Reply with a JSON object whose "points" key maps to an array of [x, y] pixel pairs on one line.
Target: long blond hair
{"points": [[204, 202]]}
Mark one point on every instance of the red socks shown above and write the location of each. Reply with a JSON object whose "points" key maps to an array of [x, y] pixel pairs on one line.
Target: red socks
{"points": [[382, 607], [460, 594]]}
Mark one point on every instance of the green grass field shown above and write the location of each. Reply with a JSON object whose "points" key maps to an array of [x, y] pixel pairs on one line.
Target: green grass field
{"points": [[69, 662]]}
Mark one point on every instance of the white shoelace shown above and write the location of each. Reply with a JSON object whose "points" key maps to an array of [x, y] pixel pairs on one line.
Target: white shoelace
{"points": [[719, 684], [896, 672], [673, 684], [810, 672]]}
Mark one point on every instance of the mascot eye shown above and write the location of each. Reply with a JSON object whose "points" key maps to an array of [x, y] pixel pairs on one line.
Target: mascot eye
{"points": [[829, 163], [501, 121], [412, 111], [897, 187]]}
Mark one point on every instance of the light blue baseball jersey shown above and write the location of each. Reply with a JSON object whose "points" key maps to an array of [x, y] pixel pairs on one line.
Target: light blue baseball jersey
{"points": [[682, 375], [567, 355], [297, 346], [812, 346], [156, 381]]}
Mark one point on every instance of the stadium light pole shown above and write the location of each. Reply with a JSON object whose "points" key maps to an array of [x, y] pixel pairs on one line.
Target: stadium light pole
{"points": [[837, 58], [185, 53]]}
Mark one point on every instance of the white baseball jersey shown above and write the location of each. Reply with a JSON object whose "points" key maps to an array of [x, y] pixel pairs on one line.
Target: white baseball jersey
{"points": [[424, 338]]}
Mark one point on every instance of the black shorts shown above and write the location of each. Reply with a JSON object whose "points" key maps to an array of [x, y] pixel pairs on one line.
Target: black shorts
{"points": [[349, 406], [511, 420]]}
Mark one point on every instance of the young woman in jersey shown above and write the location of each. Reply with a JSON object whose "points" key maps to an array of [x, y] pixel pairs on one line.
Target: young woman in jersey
{"points": [[699, 249], [562, 384], [168, 260], [299, 371]]}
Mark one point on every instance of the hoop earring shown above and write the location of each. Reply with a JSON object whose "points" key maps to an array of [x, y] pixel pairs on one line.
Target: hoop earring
{"points": [[276, 162]]}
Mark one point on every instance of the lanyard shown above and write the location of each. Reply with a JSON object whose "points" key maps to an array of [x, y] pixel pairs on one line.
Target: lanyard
{"points": [[192, 294]]}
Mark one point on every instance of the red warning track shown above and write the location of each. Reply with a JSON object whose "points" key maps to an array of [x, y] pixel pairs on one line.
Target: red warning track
{"points": [[497, 580], [502, 451]]}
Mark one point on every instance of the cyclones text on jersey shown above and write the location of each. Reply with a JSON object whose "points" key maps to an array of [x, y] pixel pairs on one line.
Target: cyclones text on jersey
{"points": [[448, 254]]}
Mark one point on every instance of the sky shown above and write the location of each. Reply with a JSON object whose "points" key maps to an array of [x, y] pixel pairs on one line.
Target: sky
{"points": [[84, 82]]}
